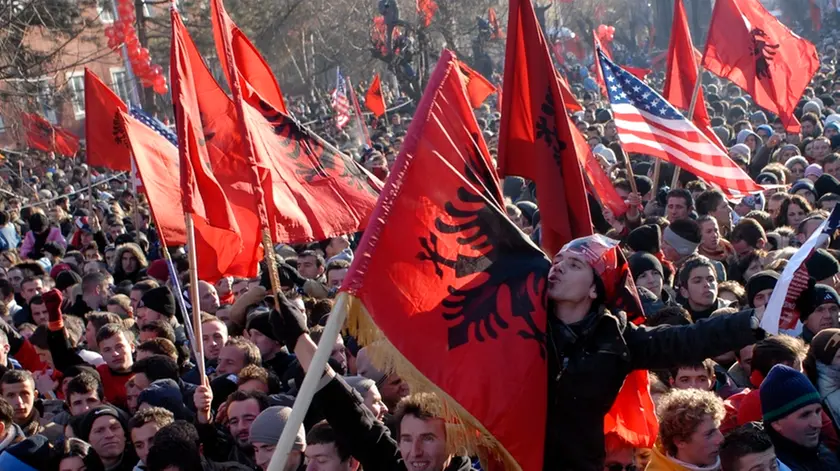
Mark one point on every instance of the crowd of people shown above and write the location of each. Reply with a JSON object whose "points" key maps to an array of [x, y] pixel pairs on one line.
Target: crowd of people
{"points": [[97, 371]]}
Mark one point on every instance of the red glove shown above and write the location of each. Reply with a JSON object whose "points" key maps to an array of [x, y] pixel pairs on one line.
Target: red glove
{"points": [[52, 300]]}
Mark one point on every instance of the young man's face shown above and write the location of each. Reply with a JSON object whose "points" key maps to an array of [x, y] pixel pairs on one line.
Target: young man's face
{"points": [[214, 335], [265, 344], [40, 315], [142, 438], [117, 351], [81, 403], [701, 289], [422, 443], [32, 288], [308, 267], [762, 461], [21, 396], [231, 360], [241, 414], [676, 209], [703, 447], [693, 378], [570, 278], [710, 234], [324, 457]]}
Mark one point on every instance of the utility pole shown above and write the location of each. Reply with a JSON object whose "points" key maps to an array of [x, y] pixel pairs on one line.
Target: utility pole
{"points": [[148, 95]]}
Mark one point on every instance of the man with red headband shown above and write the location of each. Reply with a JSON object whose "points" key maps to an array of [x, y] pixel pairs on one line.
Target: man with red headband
{"points": [[591, 350]]}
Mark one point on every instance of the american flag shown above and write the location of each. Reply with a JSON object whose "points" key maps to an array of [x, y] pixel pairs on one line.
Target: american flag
{"points": [[153, 123], [647, 124], [339, 101]]}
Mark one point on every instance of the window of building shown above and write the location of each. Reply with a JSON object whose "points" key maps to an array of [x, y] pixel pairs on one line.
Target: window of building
{"points": [[46, 99], [119, 83], [76, 85], [105, 10]]}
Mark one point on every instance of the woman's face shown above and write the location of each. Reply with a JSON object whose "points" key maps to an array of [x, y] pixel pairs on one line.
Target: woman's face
{"points": [[750, 142], [795, 215], [798, 171]]}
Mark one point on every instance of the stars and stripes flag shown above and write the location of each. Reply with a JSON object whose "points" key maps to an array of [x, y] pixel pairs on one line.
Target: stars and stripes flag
{"points": [[339, 101], [154, 123], [648, 124]]}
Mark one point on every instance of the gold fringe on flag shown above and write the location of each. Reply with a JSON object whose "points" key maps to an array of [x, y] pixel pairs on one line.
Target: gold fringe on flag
{"points": [[465, 435]]}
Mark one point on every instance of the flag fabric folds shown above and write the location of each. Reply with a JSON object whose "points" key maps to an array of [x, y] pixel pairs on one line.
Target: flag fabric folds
{"points": [[43, 135], [468, 279], [104, 142], [535, 141], [648, 124], [496, 30], [427, 10], [478, 87], [339, 101], [201, 193], [159, 170], [259, 83], [681, 69], [749, 47], [374, 101], [599, 182]]}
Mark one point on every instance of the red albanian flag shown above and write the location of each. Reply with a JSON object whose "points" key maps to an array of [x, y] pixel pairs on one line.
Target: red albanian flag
{"points": [[535, 141], [105, 145], [478, 87], [468, 279], [374, 101], [751, 48], [681, 69], [259, 83], [42, 135]]}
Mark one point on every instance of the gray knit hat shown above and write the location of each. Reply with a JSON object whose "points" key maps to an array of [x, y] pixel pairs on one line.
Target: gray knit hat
{"points": [[269, 425]]}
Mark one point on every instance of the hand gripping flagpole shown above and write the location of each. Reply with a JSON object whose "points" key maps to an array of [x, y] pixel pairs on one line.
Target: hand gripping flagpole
{"points": [[194, 297], [310, 384]]}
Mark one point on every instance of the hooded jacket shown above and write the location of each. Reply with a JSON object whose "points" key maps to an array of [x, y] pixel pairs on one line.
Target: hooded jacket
{"points": [[589, 361]]}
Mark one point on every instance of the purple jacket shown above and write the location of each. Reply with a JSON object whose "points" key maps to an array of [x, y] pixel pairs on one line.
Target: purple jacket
{"points": [[29, 241]]}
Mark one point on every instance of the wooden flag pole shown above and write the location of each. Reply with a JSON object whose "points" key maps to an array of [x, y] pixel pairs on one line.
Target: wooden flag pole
{"points": [[694, 95], [135, 207], [310, 384], [194, 298], [631, 178]]}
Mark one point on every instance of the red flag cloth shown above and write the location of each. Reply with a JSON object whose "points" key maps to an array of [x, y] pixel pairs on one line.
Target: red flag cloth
{"points": [[632, 416], [568, 97], [640, 72], [374, 101], [105, 145], [475, 289], [681, 69], [751, 48], [159, 170], [478, 87], [427, 8], [312, 191], [259, 83], [201, 193], [599, 76], [42, 135], [534, 137], [602, 187], [497, 32]]}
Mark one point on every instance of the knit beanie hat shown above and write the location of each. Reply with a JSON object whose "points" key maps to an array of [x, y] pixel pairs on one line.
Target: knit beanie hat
{"points": [[825, 345], [812, 298], [740, 149], [812, 106], [766, 129], [684, 236], [641, 262], [58, 268], [794, 148], [821, 265], [813, 170], [33, 454], [767, 178], [66, 279], [826, 184], [798, 159], [160, 300], [158, 270], [222, 387], [803, 184], [785, 391], [166, 393], [259, 321], [759, 282], [528, 209], [645, 239], [269, 425], [87, 420]]}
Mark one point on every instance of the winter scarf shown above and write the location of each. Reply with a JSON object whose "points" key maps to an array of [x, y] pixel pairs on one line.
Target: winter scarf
{"points": [[828, 384], [721, 253]]}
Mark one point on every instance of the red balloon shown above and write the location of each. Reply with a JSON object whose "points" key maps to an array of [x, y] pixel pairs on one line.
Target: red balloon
{"points": [[157, 69], [109, 31], [141, 69], [611, 30], [119, 37], [132, 43], [124, 10], [144, 54], [602, 29], [133, 51], [129, 3], [129, 17], [159, 80], [112, 44], [161, 89]]}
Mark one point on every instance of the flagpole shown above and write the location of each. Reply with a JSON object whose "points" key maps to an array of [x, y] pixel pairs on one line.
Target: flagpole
{"points": [[694, 95], [135, 211], [310, 384], [358, 111], [194, 297]]}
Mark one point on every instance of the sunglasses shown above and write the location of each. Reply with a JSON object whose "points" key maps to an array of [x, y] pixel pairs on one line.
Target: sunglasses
{"points": [[620, 467]]}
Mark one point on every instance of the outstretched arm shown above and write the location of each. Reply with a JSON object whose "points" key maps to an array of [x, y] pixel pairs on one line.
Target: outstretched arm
{"points": [[668, 346]]}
